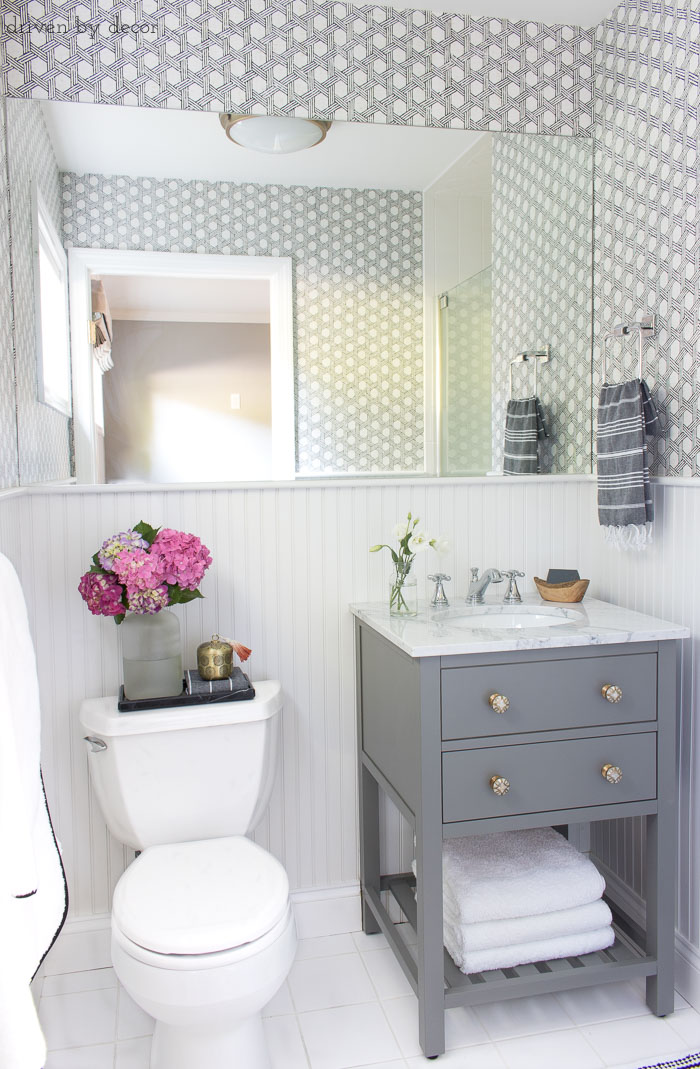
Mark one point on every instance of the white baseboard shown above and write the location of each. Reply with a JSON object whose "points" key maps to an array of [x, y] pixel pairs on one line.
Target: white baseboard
{"points": [[687, 956], [84, 942]]}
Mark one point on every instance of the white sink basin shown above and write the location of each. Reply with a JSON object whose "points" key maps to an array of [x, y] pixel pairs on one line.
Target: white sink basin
{"points": [[512, 618]]}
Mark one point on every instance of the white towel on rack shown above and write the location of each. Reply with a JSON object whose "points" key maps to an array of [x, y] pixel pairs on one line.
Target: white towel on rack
{"points": [[507, 957], [486, 935], [515, 874]]}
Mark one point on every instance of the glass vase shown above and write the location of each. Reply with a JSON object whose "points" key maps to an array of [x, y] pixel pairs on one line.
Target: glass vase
{"points": [[403, 592], [151, 655]]}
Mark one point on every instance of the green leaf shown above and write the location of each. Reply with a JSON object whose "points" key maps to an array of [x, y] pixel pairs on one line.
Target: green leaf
{"points": [[146, 531], [189, 595], [98, 569], [118, 619], [178, 596], [96, 561], [394, 555]]}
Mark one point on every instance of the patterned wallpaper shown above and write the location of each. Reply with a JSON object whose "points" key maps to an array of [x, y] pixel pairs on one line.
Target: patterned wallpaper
{"points": [[8, 435], [302, 57], [358, 278], [542, 264], [43, 433], [646, 238]]}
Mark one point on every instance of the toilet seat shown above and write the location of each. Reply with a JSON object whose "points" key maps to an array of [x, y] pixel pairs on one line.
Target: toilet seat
{"points": [[200, 898]]}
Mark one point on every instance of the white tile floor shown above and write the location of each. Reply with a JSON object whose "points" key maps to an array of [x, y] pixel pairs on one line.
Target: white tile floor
{"points": [[347, 1004]]}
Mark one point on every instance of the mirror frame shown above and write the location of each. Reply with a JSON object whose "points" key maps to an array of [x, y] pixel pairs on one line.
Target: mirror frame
{"points": [[276, 270]]}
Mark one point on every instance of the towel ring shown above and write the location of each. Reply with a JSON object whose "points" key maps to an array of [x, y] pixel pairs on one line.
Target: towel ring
{"points": [[524, 358], [645, 328]]}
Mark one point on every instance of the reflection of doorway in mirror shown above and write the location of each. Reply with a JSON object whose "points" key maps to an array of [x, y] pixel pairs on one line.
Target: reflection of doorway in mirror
{"points": [[199, 384], [182, 349]]}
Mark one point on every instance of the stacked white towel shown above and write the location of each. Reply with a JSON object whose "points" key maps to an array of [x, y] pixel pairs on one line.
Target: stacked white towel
{"points": [[520, 896]]}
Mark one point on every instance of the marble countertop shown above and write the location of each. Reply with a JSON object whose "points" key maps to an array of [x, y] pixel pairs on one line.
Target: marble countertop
{"points": [[462, 628]]}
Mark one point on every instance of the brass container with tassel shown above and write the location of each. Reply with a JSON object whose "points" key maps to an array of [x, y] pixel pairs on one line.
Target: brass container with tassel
{"points": [[215, 659]]}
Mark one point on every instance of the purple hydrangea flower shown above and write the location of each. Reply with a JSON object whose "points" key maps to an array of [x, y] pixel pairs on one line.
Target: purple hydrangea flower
{"points": [[102, 594], [148, 601], [116, 545]]}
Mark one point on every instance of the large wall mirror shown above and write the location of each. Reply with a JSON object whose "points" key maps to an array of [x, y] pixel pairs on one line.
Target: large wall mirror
{"points": [[432, 314]]}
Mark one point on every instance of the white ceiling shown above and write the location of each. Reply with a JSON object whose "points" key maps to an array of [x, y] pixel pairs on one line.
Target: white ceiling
{"points": [[187, 300], [158, 143], [564, 12]]}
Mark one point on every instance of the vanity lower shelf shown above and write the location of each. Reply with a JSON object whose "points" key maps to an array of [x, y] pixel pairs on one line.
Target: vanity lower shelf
{"points": [[625, 959]]}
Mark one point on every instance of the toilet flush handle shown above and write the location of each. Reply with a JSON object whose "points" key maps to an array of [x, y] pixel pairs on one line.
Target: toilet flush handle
{"points": [[95, 744]]}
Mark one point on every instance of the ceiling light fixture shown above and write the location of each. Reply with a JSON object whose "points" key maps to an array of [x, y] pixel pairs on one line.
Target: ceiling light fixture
{"points": [[275, 134]]}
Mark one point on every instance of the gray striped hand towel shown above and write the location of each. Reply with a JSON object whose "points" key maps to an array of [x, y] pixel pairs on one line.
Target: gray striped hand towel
{"points": [[525, 426], [626, 415]]}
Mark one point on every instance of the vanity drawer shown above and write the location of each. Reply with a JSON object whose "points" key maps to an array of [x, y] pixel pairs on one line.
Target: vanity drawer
{"points": [[547, 775], [547, 695]]}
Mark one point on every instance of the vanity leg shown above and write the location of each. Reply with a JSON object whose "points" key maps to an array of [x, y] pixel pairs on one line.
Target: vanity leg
{"points": [[430, 951], [431, 964], [369, 844], [661, 911], [661, 841]]}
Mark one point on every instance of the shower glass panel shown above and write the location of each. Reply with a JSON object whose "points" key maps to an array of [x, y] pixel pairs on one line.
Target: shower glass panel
{"points": [[465, 373]]}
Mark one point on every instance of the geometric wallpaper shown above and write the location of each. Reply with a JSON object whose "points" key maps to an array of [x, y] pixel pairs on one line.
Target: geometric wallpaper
{"points": [[542, 264], [43, 433], [8, 415], [358, 294], [331, 60], [647, 241]]}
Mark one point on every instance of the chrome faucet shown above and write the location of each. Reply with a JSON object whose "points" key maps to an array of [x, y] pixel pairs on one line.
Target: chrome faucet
{"points": [[478, 585]]}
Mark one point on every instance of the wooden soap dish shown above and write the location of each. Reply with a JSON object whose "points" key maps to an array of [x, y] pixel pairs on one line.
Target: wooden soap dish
{"points": [[563, 592]]}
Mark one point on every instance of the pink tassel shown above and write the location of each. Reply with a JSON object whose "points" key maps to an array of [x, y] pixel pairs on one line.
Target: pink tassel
{"points": [[238, 647]]}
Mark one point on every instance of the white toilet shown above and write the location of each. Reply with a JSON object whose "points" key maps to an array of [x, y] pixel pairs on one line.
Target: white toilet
{"points": [[203, 934]]}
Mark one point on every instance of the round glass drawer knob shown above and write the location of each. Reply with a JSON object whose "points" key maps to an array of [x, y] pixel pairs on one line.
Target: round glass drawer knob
{"points": [[499, 785], [612, 693], [611, 773], [499, 703]]}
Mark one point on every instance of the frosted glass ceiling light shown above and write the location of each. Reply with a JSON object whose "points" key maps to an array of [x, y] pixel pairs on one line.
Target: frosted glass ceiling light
{"points": [[275, 134]]}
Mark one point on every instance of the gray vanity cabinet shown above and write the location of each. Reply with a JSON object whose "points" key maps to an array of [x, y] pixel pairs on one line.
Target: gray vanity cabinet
{"points": [[434, 737]]}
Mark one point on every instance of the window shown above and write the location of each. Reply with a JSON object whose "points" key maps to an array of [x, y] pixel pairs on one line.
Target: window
{"points": [[51, 296]]}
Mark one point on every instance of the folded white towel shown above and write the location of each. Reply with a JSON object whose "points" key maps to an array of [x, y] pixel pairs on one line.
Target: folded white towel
{"points": [[515, 874], [561, 922], [508, 957]]}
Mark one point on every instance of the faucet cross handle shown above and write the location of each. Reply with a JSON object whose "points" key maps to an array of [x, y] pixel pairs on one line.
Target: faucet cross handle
{"points": [[512, 595], [439, 598]]}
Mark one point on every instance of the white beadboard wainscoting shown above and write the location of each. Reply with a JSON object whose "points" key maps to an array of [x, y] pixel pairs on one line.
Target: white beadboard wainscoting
{"points": [[287, 560]]}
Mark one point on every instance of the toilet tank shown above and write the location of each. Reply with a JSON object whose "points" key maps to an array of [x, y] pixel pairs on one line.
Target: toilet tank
{"points": [[178, 774]]}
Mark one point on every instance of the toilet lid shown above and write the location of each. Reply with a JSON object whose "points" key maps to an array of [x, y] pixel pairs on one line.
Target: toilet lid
{"points": [[200, 897]]}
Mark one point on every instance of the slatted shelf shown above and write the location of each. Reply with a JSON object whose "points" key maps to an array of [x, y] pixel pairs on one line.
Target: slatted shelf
{"points": [[623, 960]]}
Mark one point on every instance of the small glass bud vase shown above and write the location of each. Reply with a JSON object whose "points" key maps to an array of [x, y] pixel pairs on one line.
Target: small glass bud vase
{"points": [[403, 592], [151, 655]]}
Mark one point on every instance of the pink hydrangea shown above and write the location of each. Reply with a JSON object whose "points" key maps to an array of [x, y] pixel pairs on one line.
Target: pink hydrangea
{"points": [[138, 570], [184, 559], [148, 601], [102, 594]]}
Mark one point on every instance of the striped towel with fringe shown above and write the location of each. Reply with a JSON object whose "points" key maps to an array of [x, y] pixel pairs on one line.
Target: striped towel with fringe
{"points": [[626, 416], [525, 427]]}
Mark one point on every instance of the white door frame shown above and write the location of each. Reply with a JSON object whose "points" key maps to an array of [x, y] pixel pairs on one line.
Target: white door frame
{"points": [[277, 270]]}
